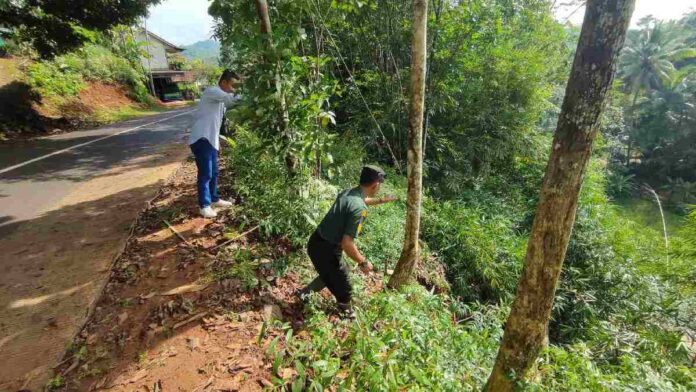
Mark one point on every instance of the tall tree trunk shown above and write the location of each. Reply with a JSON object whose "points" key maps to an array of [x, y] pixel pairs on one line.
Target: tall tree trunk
{"points": [[601, 39], [291, 160], [634, 127], [264, 18], [411, 250], [429, 72]]}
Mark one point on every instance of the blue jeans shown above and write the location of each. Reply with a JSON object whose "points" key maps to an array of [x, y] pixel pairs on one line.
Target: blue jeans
{"points": [[207, 163]]}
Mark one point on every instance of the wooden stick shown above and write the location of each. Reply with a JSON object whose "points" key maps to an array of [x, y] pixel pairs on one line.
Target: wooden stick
{"points": [[189, 320], [181, 237], [190, 245], [235, 238]]}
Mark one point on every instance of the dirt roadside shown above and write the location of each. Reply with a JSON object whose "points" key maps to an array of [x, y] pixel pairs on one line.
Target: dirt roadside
{"points": [[182, 312], [164, 323], [55, 266]]}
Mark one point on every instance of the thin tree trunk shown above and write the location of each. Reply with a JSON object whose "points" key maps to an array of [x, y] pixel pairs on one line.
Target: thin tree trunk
{"points": [[601, 39], [428, 75], [411, 250], [264, 18], [291, 160], [634, 125]]}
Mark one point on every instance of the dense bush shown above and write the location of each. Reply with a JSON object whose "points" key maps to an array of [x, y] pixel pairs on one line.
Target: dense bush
{"points": [[616, 324], [408, 340], [614, 327], [281, 205], [66, 75], [52, 79]]}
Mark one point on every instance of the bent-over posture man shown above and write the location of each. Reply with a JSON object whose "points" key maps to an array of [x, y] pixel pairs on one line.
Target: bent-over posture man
{"points": [[337, 233], [205, 140]]}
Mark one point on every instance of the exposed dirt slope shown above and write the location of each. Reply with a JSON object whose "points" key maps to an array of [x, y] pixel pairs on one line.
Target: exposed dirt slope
{"points": [[24, 113], [164, 324], [168, 320]]}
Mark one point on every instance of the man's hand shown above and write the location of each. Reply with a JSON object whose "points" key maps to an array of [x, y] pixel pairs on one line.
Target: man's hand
{"points": [[389, 198], [370, 201], [366, 267]]}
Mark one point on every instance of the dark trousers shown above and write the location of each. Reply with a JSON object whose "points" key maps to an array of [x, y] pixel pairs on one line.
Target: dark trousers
{"points": [[207, 163], [333, 274]]}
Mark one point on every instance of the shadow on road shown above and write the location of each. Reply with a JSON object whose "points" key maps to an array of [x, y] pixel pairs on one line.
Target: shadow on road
{"points": [[18, 110], [88, 161], [53, 267]]}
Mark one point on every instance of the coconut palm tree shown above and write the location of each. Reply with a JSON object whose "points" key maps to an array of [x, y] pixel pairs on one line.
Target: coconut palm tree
{"points": [[647, 60]]}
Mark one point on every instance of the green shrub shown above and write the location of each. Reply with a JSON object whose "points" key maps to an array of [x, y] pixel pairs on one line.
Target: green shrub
{"points": [[482, 251], [620, 184], [243, 266], [66, 75], [54, 79], [409, 340], [573, 369], [613, 327], [281, 205]]}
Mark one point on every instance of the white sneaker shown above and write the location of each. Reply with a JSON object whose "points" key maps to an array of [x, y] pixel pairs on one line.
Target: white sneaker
{"points": [[222, 204], [208, 212]]}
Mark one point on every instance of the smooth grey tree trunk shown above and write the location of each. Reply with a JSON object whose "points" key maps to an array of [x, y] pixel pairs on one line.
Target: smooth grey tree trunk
{"points": [[601, 39], [411, 250]]}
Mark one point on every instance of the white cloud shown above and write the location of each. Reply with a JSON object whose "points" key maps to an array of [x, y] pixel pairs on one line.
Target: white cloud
{"points": [[182, 22], [661, 9]]}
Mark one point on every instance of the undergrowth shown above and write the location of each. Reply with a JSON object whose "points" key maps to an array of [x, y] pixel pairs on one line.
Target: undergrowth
{"points": [[614, 327]]}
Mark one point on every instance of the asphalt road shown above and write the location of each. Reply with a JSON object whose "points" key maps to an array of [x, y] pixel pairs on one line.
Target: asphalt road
{"points": [[67, 203], [32, 180]]}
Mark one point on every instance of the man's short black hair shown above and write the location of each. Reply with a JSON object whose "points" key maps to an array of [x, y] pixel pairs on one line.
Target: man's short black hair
{"points": [[371, 174], [229, 74]]}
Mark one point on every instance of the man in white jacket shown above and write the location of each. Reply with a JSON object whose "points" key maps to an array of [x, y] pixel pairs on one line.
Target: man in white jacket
{"points": [[205, 140]]}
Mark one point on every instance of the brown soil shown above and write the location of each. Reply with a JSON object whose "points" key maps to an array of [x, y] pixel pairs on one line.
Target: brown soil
{"points": [[98, 95], [8, 70], [54, 267], [24, 113], [164, 324]]}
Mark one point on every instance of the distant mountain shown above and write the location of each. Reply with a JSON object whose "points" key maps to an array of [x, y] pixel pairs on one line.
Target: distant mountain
{"points": [[208, 51]]}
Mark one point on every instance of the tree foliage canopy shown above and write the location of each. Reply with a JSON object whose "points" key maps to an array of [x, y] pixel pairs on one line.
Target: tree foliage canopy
{"points": [[56, 27]]}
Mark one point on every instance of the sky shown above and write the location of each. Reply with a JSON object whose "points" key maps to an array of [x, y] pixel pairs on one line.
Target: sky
{"points": [[184, 22], [661, 9]]}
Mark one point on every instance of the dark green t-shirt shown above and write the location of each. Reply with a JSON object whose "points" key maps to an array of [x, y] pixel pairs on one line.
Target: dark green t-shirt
{"points": [[345, 217]]}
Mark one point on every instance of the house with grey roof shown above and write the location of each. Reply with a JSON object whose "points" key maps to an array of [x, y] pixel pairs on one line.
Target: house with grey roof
{"points": [[165, 78]]}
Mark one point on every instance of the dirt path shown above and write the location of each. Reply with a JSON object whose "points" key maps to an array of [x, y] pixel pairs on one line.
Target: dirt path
{"points": [[54, 266], [165, 324]]}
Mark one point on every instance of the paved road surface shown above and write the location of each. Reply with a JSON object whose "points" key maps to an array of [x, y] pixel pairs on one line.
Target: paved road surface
{"points": [[66, 206]]}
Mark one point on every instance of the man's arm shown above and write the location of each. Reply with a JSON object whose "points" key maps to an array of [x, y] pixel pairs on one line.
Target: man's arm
{"points": [[373, 201], [217, 95], [348, 245]]}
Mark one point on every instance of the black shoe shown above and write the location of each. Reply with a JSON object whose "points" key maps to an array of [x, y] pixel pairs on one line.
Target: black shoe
{"points": [[346, 311], [301, 294]]}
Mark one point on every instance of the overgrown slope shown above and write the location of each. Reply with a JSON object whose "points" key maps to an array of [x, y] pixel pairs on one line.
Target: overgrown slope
{"points": [[610, 320], [98, 83]]}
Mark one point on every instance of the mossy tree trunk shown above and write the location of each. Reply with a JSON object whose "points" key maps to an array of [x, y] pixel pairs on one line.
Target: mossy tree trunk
{"points": [[411, 250], [601, 39]]}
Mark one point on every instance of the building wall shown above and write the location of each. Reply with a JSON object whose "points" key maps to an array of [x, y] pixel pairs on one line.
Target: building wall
{"points": [[158, 55]]}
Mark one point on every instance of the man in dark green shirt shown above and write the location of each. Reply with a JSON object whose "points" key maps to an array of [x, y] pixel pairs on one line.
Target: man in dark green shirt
{"points": [[337, 233]]}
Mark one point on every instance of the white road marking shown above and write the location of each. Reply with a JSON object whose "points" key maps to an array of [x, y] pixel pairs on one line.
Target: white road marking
{"points": [[5, 170]]}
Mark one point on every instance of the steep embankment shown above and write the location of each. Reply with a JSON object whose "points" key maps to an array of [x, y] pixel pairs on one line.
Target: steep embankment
{"points": [[26, 112]]}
